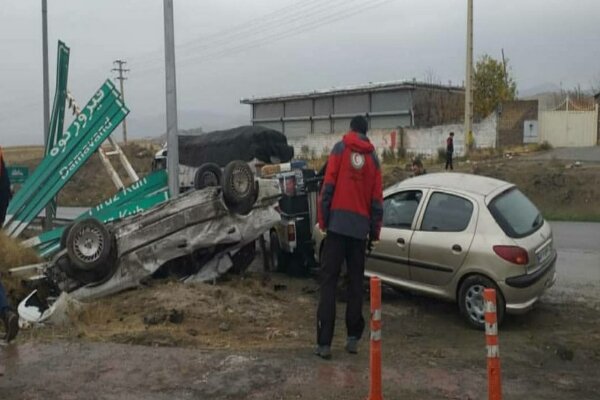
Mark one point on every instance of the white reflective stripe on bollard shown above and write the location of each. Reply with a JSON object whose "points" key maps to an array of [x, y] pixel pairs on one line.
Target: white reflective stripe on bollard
{"points": [[376, 335], [377, 315], [491, 329], [493, 351], [490, 307]]}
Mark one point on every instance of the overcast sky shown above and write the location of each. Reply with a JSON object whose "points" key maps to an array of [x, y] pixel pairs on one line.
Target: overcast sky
{"points": [[230, 49]]}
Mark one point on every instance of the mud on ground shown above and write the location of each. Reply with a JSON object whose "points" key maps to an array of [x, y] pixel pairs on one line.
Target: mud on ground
{"points": [[268, 326]]}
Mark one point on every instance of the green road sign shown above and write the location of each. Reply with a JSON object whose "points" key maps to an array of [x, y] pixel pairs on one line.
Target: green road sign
{"points": [[55, 129], [93, 125], [17, 173], [140, 196]]}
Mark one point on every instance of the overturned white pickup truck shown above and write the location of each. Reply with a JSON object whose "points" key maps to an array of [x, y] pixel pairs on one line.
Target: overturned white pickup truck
{"points": [[195, 236]]}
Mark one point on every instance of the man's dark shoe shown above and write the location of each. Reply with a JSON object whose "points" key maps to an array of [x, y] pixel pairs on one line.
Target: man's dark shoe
{"points": [[11, 325], [324, 352], [352, 345]]}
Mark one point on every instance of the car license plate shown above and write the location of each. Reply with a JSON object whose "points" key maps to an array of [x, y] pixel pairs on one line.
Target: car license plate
{"points": [[544, 253]]}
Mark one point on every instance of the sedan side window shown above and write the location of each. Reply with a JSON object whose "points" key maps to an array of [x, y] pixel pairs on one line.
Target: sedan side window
{"points": [[447, 213], [399, 209]]}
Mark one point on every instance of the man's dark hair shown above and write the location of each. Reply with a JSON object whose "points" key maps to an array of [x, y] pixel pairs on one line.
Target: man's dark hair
{"points": [[417, 162], [359, 124], [451, 133]]}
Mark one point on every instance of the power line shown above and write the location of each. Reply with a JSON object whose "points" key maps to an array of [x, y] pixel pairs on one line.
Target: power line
{"points": [[245, 26], [276, 36], [249, 30], [121, 78]]}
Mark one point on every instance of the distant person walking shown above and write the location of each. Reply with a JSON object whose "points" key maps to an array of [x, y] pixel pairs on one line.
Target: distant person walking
{"points": [[450, 151], [8, 316], [350, 212]]}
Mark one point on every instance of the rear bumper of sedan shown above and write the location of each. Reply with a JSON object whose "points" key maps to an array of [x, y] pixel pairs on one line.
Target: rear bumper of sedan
{"points": [[523, 291]]}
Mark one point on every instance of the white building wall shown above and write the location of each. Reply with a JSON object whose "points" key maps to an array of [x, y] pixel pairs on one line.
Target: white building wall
{"points": [[424, 141]]}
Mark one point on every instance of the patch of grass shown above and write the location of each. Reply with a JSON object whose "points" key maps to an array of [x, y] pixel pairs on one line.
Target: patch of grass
{"points": [[12, 255], [544, 146], [571, 216], [388, 156], [441, 155]]}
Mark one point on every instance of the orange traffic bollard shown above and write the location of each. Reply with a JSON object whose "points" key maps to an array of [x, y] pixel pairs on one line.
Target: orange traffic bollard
{"points": [[491, 341], [375, 361]]}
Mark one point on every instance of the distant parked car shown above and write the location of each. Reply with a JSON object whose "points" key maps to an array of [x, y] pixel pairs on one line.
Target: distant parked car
{"points": [[451, 235]]}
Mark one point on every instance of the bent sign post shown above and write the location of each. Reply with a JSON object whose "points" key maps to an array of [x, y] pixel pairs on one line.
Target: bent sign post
{"points": [[103, 113]]}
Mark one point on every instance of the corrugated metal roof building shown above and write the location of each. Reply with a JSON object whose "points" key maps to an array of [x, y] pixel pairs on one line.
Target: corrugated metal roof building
{"points": [[386, 105]]}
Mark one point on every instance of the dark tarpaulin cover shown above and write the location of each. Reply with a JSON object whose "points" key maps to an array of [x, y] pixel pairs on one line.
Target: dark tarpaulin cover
{"points": [[243, 143]]}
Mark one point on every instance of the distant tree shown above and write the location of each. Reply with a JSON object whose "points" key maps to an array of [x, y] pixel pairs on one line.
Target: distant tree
{"points": [[491, 85]]}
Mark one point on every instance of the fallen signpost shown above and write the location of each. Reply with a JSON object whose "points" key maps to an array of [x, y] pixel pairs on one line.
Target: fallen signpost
{"points": [[98, 119]]}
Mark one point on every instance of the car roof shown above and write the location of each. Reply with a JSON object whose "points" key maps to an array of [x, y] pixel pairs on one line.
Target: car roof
{"points": [[467, 183]]}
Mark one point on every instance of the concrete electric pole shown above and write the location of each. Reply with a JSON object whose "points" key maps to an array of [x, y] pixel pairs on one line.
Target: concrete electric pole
{"points": [[469, 80], [46, 95], [121, 78], [171, 94]]}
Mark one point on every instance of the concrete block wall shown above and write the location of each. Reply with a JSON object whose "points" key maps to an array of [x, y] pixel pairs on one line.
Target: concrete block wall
{"points": [[418, 141], [427, 141]]}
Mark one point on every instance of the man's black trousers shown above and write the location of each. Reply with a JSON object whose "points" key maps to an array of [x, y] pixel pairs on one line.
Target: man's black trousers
{"points": [[336, 250], [449, 155]]}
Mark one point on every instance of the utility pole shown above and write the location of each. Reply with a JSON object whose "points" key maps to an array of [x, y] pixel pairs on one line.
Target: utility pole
{"points": [[46, 95], [171, 95], [469, 79], [121, 78], [505, 70]]}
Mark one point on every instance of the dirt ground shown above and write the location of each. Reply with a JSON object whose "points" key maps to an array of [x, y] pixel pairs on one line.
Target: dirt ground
{"points": [[251, 337]]}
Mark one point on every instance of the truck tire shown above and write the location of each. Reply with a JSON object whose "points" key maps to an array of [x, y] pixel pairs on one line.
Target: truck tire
{"points": [[89, 244], [239, 189], [207, 175]]}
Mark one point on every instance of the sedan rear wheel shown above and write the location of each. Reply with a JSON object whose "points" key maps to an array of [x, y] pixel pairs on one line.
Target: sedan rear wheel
{"points": [[471, 304]]}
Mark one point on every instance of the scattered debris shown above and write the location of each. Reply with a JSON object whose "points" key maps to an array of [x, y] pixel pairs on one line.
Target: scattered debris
{"points": [[279, 287], [565, 353], [224, 327]]}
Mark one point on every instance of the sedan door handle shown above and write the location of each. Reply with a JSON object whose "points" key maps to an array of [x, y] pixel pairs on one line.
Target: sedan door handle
{"points": [[401, 241], [456, 248]]}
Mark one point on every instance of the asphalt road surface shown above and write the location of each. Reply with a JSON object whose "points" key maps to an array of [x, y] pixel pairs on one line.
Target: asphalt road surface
{"points": [[583, 154], [578, 265]]}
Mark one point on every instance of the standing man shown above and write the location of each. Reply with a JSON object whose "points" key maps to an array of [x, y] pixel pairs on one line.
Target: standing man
{"points": [[449, 151], [350, 212], [9, 317], [5, 194]]}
